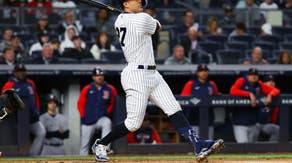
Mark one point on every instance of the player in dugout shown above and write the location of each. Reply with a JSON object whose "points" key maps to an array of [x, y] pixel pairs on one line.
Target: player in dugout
{"points": [[56, 127], [245, 118]]}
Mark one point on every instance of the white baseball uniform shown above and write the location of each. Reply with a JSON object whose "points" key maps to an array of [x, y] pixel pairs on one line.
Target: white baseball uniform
{"points": [[54, 145], [139, 79]]}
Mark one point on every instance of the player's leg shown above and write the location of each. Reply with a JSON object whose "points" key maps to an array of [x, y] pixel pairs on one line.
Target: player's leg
{"points": [[86, 134], [273, 130], [211, 131], [253, 132], [240, 133], [39, 132], [105, 124], [163, 97]]}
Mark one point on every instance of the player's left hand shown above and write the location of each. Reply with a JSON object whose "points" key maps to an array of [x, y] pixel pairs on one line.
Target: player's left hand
{"points": [[268, 100]]}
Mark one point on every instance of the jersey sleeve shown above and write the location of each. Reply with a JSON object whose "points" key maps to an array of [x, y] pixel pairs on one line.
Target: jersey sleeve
{"points": [[36, 95], [64, 123], [269, 90], [82, 101], [187, 90], [236, 88], [215, 87], [112, 100], [146, 24], [7, 85]]}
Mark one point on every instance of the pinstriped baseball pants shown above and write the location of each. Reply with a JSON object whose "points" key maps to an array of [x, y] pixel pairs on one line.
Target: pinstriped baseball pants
{"points": [[140, 86]]}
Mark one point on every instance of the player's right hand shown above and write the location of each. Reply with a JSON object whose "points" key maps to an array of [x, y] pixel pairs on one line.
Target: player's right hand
{"points": [[253, 100]]}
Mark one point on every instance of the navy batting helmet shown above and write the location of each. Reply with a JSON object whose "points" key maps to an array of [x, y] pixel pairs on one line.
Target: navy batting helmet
{"points": [[144, 3]]}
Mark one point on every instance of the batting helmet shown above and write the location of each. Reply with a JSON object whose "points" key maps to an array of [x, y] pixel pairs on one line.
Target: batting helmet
{"points": [[144, 3]]}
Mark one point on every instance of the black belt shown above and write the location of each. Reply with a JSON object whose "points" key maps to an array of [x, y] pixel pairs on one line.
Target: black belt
{"points": [[52, 144], [149, 67]]}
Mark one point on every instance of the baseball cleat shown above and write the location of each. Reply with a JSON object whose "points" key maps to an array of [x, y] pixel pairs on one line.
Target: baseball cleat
{"points": [[207, 147], [101, 154], [108, 149]]}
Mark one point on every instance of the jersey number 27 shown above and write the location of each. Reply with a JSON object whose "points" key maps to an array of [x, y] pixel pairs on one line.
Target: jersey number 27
{"points": [[121, 32]]}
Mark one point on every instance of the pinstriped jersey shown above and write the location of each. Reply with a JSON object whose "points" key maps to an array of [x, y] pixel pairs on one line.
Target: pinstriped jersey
{"points": [[134, 31]]}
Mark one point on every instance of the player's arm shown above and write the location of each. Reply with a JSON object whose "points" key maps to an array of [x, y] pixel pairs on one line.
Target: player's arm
{"points": [[269, 91], [112, 100], [236, 89], [36, 95], [216, 92], [155, 136], [82, 101], [187, 90], [144, 23]]}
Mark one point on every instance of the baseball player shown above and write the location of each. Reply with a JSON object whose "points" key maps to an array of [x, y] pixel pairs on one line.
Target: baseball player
{"points": [[26, 90], [56, 127], [141, 81], [95, 105]]}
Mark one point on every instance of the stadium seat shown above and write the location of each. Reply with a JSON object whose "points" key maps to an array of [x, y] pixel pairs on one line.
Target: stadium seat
{"points": [[91, 61], [221, 39], [210, 47], [245, 38], [36, 53], [275, 39], [227, 29], [264, 45], [229, 56], [236, 45], [288, 38], [279, 30], [286, 46], [25, 60], [254, 30], [114, 57]]}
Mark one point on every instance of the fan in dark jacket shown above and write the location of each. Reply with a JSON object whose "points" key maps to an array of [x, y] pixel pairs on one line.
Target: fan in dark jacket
{"points": [[47, 56]]}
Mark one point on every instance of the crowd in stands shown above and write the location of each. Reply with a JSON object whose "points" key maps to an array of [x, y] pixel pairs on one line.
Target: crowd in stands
{"points": [[209, 41]]}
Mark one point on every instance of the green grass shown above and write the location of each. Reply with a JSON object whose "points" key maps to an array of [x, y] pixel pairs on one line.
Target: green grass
{"points": [[156, 157]]}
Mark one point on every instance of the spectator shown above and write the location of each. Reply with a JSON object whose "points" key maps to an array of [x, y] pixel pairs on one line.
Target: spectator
{"points": [[77, 51], [178, 57], [266, 29], [56, 127], [250, 11], [147, 134], [190, 42], [8, 56], [229, 18], [67, 42], [200, 86], [6, 36], [56, 46], [102, 44], [245, 118], [16, 44], [95, 106], [12, 3], [43, 38], [288, 4], [42, 25], [63, 4], [47, 56], [68, 21], [213, 27], [155, 36], [239, 30], [284, 58], [26, 89], [256, 57], [104, 22], [267, 5], [188, 21]]}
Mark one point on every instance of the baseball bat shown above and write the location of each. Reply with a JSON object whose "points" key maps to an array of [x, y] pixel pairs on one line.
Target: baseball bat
{"points": [[96, 3]]}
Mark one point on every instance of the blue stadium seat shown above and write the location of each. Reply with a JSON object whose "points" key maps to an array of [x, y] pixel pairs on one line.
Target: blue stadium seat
{"points": [[236, 45], [229, 56], [221, 39], [286, 46], [264, 45], [91, 61], [65, 60], [288, 38], [227, 29], [279, 30], [275, 39], [246, 38], [114, 57], [254, 30], [210, 47]]}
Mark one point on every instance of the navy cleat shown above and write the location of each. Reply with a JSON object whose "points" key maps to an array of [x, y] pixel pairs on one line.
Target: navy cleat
{"points": [[206, 147], [100, 151]]}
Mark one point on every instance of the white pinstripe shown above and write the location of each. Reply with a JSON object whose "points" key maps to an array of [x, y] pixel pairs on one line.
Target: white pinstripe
{"points": [[142, 85]]}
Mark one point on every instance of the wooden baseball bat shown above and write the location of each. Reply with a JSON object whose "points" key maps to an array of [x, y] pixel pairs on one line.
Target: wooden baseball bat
{"points": [[96, 3]]}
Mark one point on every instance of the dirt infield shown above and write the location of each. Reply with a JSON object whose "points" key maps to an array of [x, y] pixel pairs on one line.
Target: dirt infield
{"points": [[163, 161]]}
